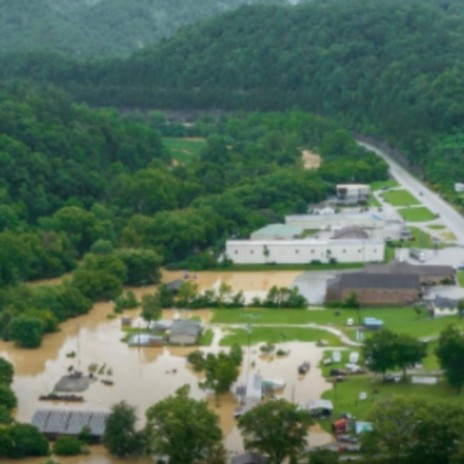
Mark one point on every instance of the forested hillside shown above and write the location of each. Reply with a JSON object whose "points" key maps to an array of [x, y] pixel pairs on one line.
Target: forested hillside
{"points": [[101, 27], [392, 69], [96, 193]]}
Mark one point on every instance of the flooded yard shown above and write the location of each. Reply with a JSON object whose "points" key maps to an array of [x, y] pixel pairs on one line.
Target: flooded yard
{"points": [[143, 376]]}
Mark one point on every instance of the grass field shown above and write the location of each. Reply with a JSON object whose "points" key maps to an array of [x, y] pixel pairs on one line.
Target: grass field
{"points": [[384, 184], [400, 198], [345, 395], [436, 226], [417, 214], [184, 150], [278, 335], [460, 276], [401, 320]]}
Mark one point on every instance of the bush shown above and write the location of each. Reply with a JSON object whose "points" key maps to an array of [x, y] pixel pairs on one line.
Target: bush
{"points": [[67, 446]]}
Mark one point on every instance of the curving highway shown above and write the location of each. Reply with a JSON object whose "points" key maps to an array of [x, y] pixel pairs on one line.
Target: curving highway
{"points": [[448, 215]]}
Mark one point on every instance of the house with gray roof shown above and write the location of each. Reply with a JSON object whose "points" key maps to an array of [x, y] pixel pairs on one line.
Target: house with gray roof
{"points": [[185, 332]]}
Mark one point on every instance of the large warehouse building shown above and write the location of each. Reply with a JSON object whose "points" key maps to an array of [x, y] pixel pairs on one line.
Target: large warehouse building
{"points": [[304, 251]]}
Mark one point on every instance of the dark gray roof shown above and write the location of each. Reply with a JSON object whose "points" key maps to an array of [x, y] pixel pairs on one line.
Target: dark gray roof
{"points": [[442, 302], [249, 458], [186, 327], [403, 267], [63, 422], [174, 286], [350, 232], [363, 280]]}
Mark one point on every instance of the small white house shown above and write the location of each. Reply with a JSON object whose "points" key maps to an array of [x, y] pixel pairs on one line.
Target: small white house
{"points": [[442, 306]]}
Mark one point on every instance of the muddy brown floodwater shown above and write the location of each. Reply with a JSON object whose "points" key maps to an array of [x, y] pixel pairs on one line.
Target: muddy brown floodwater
{"points": [[144, 376]]}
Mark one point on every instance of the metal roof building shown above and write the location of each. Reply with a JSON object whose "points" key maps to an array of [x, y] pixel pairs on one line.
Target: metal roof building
{"points": [[57, 422]]}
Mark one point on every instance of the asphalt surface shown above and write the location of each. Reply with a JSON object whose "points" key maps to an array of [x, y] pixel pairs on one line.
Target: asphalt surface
{"points": [[448, 215]]}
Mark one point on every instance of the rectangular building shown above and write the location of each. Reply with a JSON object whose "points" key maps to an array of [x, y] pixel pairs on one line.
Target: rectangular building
{"points": [[304, 251]]}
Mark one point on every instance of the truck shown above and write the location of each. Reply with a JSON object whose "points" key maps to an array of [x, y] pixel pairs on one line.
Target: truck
{"points": [[418, 254]]}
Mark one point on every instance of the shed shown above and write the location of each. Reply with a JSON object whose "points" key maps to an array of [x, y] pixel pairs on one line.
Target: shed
{"points": [[144, 339], [185, 332], [320, 408], [174, 286], [372, 323], [442, 306]]}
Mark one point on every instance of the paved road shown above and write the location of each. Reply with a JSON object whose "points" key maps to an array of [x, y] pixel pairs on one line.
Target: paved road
{"points": [[448, 215]]}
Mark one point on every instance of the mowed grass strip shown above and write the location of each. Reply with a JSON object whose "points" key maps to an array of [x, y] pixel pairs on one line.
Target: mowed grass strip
{"points": [[400, 198], [417, 214], [277, 335], [402, 320], [384, 184], [184, 150]]}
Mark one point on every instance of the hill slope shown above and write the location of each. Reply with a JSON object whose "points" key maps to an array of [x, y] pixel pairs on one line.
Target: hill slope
{"points": [[100, 27]]}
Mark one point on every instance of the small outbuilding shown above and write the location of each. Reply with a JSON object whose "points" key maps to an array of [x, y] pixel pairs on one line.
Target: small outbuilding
{"points": [[185, 332], [144, 339], [442, 306]]}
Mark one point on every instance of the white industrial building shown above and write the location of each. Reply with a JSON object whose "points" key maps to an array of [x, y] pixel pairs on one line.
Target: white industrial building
{"points": [[304, 251]]}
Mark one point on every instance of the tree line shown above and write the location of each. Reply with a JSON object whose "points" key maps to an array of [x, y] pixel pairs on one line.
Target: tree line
{"points": [[389, 69]]}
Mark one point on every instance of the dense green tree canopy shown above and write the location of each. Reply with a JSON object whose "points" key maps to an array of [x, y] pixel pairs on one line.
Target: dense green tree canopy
{"points": [[180, 419], [121, 437], [101, 27], [450, 353], [279, 429]]}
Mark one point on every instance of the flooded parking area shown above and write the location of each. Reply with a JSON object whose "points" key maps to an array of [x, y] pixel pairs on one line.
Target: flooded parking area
{"points": [[142, 376]]}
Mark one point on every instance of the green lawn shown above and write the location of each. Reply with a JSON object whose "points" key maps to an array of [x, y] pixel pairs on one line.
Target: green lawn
{"points": [[436, 226], [402, 320], [184, 150], [277, 335], [373, 202], [420, 239], [383, 184], [287, 267], [345, 395], [460, 275], [206, 338], [417, 214], [400, 198]]}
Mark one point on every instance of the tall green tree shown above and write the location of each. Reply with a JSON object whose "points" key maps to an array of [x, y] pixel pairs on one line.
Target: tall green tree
{"points": [[450, 353], [276, 428], [121, 437], [6, 372], [185, 430]]}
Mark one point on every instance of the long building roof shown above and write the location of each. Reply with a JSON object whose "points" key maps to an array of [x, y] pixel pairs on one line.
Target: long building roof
{"points": [[64, 422], [405, 268], [358, 280]]}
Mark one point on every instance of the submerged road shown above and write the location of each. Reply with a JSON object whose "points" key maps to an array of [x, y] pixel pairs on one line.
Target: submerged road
{"points": [[448, 215]]}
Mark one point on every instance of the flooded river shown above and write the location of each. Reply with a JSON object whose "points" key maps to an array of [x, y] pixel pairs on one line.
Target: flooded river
{"points": [[144, 376]]}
